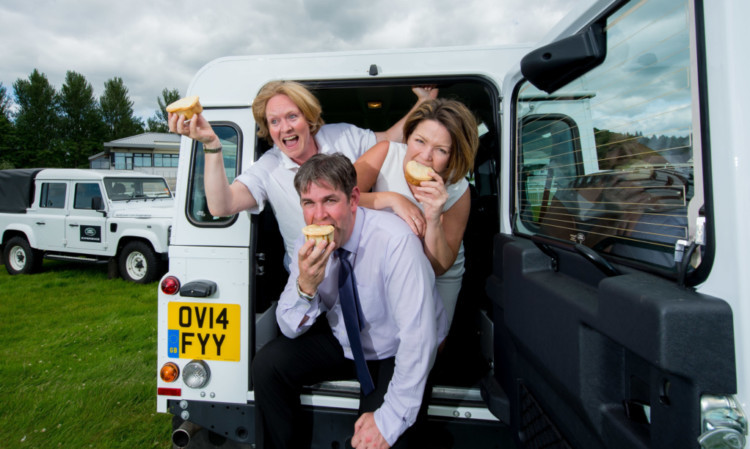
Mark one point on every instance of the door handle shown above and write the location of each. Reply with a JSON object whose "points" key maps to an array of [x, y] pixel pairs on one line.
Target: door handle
{"points": [[73, 225], [41, 223]]}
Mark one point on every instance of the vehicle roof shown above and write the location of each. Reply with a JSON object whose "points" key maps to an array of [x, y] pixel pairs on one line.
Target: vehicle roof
{"points": [[234, 81], [92, 175]]}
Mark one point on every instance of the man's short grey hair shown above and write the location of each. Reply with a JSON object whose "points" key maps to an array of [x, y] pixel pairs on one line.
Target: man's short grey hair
{"points": [[335, 170]]}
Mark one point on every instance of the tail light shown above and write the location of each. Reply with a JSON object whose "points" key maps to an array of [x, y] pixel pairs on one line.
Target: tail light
{"points": [[170, 285]]}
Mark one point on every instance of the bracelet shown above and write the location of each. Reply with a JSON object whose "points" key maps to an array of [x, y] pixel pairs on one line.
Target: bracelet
{"points": [[303, 294], [212, 150]]}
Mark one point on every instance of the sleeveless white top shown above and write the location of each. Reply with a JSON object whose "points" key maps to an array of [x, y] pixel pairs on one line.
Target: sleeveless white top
{"points": [[391, 179]]}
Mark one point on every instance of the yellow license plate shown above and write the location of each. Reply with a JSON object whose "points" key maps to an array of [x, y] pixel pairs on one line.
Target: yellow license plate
{"points": [[204, 331]]}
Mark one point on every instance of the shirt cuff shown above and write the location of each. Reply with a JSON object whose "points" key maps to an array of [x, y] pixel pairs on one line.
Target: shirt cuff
{"points": [[307, 308], [289, 321], [390, 424]]}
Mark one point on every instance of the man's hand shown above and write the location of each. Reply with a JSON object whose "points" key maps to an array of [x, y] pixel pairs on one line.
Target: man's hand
{"points": [[313, 258], [367, 435]]}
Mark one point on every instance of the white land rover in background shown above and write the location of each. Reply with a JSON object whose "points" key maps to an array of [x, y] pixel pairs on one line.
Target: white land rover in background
{"points": [[119, 217], [606, 300]]}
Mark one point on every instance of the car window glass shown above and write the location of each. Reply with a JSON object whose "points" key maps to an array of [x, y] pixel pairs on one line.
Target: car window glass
{"points": [[53, 195], [609, 161], [127, 189], [197, 208], [84, 193]]}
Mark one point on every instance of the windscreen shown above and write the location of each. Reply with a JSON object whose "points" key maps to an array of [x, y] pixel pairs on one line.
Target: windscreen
{"points": [[125, 189]]}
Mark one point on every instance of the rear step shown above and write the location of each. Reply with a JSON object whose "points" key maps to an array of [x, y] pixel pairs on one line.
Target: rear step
{"points": [[446, 401], [439, 392]]}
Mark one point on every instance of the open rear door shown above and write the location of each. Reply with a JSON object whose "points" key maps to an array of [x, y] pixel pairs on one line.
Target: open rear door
{"points": [[600, 338]]}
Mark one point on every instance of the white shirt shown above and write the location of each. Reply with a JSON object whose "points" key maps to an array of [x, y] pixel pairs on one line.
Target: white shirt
{"points": [[403, 314], [271, 178]]}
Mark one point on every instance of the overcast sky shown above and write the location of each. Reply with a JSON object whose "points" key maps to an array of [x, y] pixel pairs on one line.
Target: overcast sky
{"points": [[153, 44]]}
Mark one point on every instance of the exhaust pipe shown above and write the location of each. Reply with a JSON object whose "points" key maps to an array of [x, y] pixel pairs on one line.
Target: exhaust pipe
{"points": [[181, 437]]}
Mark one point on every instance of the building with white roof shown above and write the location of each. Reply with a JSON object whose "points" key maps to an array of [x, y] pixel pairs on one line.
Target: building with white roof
{"points": [[154, 153]]}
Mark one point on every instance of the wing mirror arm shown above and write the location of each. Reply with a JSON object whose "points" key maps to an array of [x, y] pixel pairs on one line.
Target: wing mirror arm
{"points": [[97, 204], [554, 65]]}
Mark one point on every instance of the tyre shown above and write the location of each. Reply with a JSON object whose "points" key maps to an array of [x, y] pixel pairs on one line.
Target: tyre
{"points": [[138, 263], [20, 258]]}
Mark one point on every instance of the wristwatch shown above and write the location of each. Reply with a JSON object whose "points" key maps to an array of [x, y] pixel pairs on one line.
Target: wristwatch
{"points": [[303, 294]]}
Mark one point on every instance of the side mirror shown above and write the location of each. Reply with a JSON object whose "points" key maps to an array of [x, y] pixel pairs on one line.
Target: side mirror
{"points": [[557, 64], [97, 204]]}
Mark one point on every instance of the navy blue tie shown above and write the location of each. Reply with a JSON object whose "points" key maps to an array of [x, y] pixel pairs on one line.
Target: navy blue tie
{"points": [[352, 311]]}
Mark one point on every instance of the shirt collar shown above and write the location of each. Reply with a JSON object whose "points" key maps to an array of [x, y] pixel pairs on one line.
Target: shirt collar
{"points": [[287, 162], [352, 244]]}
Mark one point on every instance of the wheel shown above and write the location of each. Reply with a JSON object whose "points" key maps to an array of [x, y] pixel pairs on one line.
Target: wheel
{"points": [[20, 258], [138, 263]]}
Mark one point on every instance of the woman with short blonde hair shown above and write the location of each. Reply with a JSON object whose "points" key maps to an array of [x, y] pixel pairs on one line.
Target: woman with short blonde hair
{"points": [[299, 94]]}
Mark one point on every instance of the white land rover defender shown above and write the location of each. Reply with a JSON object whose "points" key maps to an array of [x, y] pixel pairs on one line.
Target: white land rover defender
{"points": [[119, 217], [606, 299]]}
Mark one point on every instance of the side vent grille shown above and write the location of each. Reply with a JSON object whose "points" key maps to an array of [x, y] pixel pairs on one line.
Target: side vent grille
{"points": [[537, 431]]}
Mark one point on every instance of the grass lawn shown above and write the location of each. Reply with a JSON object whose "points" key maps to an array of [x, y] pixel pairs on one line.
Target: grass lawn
{"points": [[78, 361]]}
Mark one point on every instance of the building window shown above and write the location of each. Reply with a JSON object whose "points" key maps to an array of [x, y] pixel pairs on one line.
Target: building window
{"points": [[128, 161], [123, 161], [166, 160], [141, 160], [100, 163]]}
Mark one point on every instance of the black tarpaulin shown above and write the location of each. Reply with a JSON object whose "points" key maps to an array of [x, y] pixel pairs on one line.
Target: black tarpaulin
{"points": [[17, 189]]}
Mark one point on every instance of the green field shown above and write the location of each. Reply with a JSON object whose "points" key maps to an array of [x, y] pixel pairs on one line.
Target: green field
{"points": [[78, 361]]}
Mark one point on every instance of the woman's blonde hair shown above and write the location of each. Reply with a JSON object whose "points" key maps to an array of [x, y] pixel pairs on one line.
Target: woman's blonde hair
{"points": [[462, 127], [303, 98]]}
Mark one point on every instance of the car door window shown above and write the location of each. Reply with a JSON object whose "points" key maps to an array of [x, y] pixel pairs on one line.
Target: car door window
{"points": [[53, 195], [197, 208], [611, 160], [84, 193]]}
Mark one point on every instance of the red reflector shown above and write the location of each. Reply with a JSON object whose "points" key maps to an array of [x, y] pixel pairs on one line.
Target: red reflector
{"points": [[169, 391], [170, 285]]}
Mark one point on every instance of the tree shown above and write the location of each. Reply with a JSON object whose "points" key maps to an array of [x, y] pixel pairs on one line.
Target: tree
{"points": [[36, 123], [82, 125], [117, 111], [7, 131], [4, 102], [158, 123]]}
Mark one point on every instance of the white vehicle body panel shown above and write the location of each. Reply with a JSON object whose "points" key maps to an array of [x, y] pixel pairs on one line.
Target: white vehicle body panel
{"points": [[727, 73], [62, 230], [222, 85], [227, 86]]}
